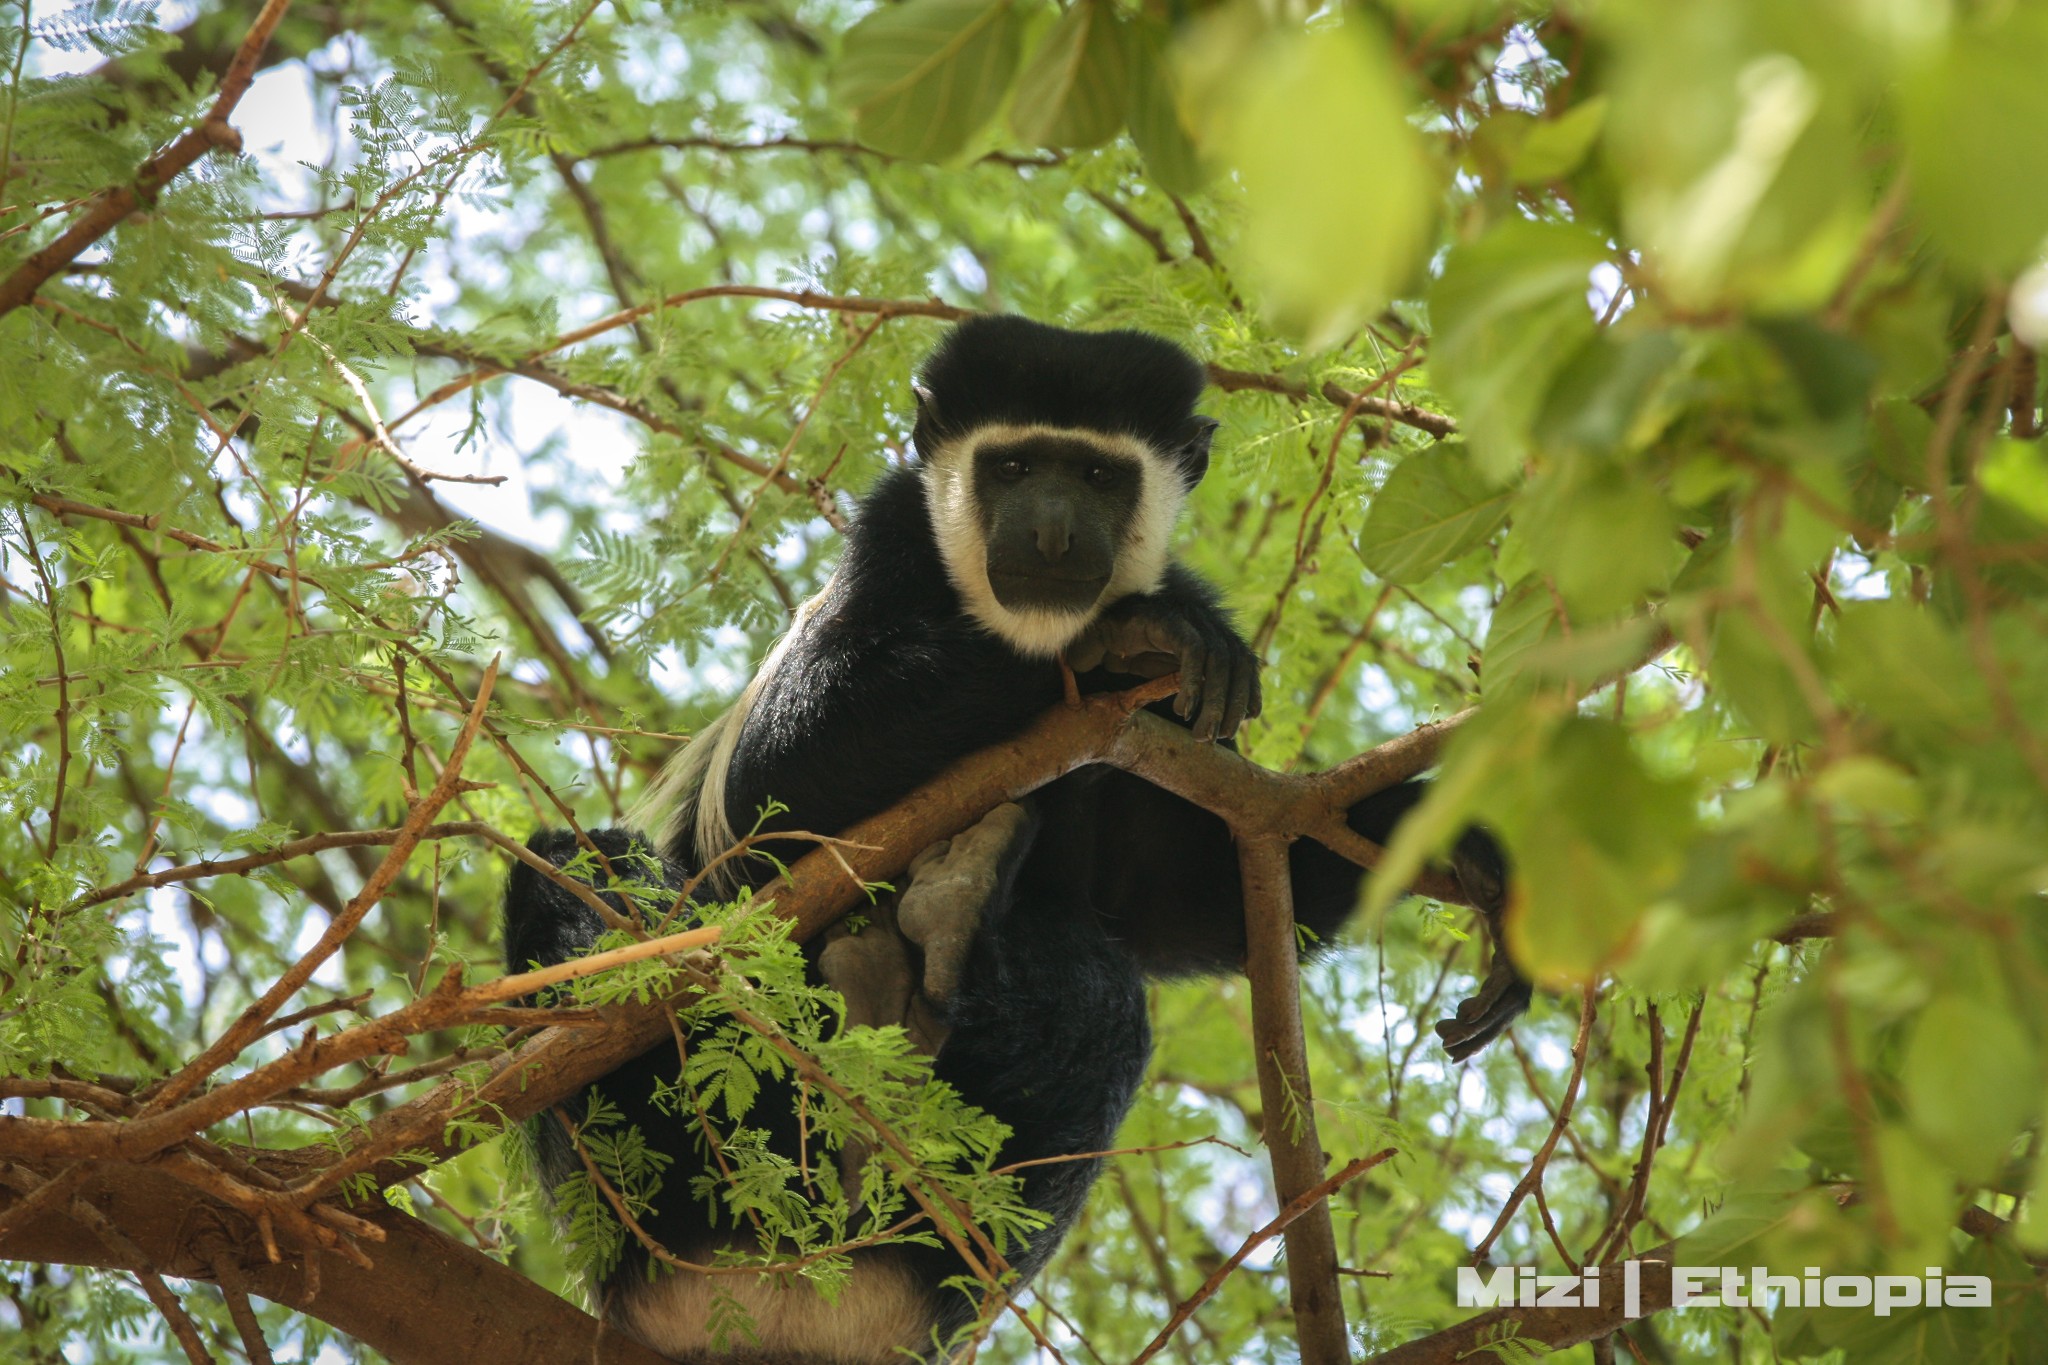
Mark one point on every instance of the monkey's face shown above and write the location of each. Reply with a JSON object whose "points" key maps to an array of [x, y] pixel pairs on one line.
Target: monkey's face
{"points": [[1056, 513]]}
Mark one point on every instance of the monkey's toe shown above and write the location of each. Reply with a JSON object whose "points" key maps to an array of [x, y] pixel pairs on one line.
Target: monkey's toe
{"points": [[1502, 997]]}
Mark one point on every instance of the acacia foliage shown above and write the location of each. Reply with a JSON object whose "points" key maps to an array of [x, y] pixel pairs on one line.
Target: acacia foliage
{"points": [[1731, 309]]}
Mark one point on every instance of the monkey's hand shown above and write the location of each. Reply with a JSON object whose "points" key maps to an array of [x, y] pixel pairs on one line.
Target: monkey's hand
{"points": [[1482, 871], [1152, 634]]}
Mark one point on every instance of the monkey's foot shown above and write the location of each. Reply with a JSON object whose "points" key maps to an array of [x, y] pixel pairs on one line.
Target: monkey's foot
{"points": [[870, 969], [950, 884], [1481, 869], [1483, 1018]]}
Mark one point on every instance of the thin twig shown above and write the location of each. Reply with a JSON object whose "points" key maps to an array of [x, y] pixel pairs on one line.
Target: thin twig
{"points": [[1534, 1174], [1293, 1210]]}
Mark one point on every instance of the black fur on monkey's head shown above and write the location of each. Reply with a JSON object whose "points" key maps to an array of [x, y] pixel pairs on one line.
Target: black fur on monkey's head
{"points": [[1010, 371]]}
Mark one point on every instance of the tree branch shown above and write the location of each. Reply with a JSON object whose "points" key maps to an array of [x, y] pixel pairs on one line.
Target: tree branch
{"points": [[116, 203], [1272, 962], [1554, 1328], [428, 1300]]}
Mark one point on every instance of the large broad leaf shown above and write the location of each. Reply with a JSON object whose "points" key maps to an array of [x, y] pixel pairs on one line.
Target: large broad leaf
{"points": [[1509, 311], [1076, 88], [1525, 620], [1492, 742], [1970, 1079], [1432, 509], [1604, 537], [1604, 398], [1973, 120], [1554, 148], [1337, 187], [1749, 1210], [1156, 123], [924, 77], [1896, 661], [1595, 839]]}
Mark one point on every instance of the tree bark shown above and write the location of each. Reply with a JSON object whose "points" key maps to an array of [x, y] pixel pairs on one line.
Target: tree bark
{"points": [[429, 1299]]}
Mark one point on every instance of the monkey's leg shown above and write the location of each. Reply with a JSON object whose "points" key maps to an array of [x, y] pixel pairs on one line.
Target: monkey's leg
{"points": [[950, 885], [871, 971], [546, 924], [1045, 1009], [1481, 869], [870, 968], [1049, 1035]]}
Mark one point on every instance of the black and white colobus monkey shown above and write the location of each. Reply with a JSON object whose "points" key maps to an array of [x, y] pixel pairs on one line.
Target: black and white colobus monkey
{"points": [[1051, 467]]}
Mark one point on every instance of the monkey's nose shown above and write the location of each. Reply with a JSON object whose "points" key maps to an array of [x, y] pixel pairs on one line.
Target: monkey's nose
{"points": [[1053, 539]]}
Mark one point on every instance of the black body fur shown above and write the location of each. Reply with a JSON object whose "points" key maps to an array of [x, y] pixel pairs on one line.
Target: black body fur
{"points": [[887, 682]]}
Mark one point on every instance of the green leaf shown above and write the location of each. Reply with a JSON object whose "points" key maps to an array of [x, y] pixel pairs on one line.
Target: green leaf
{"points": [[1606, 538], [1902, 665], [1979, 179], [1156, 123], [1337, 188], [1429, 830], [1525, 619], [1432, 509], [1510, 310], [2016, 472], [1075, 88], [1753, 677], [1832, 372], [1595, 839], [1598, 400], [923, 78], [1970, 1079], [1554, 148], [1749, 1211], [1865, 785], [1592, 655]]}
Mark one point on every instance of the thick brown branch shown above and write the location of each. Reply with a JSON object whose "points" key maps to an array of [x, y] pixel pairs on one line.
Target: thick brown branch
{"points": [[428, 1300], [824, 884], [1272, 962]]}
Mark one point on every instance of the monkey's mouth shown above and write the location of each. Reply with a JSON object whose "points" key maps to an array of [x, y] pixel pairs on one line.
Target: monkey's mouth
{"points": [[1046, 590]]}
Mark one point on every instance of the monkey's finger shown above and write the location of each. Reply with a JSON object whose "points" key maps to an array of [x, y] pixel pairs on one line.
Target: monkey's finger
{"points": [[1462, 1038], [1194, 671], [1160, 637], [1215, 698], [1243, 682]]}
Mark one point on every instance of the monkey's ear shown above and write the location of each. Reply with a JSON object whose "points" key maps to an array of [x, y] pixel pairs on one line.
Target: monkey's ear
{"points": [[924, 431], [1194, 455]]}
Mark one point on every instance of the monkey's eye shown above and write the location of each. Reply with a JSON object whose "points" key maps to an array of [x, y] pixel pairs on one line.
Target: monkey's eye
{"points": [[1101, 475], [1013, 468]]}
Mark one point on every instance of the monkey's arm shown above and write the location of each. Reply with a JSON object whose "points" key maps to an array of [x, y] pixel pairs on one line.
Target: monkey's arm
{"points": [[1170, 868], [863, 712], [1481, 869], [1180, 626]]}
